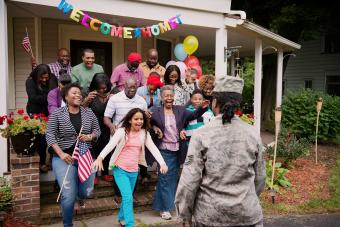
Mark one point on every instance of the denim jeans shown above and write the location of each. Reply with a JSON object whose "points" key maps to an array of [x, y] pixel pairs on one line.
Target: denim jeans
{"points": [[126, 182], [72, 189], [164, 199]]}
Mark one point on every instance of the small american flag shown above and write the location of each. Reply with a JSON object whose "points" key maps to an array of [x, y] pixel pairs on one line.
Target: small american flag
{"points": [[26, 44], [83, 155]]}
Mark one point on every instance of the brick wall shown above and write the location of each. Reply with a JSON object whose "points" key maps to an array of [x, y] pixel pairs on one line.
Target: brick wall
{"points": [[25, 185]]}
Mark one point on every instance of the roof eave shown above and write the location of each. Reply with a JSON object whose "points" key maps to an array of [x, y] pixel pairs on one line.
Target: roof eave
{"points": [[271, 35]]}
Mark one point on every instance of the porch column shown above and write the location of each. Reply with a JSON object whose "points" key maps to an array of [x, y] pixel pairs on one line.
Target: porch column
{"points": [[4, 80], [220, 55], [279, 78], [258, 84], [232, 65]]}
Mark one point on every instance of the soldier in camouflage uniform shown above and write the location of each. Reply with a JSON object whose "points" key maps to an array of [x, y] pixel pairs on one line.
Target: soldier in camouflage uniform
{"points": [[224, 172]]}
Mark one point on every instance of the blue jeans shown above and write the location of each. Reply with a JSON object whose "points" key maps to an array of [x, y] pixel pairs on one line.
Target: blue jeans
{"points": [[126, 183], [72, 189], [164, 199]]}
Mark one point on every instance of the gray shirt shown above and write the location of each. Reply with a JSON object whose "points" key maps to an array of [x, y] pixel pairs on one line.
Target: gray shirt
{"points": [[223, 175]]}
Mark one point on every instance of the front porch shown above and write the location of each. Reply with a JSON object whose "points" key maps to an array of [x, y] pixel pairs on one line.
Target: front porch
{"points": [[50, 29]]}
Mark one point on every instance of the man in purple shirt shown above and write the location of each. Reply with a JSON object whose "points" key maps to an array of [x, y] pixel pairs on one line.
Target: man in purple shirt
{"points": [[127, 70]]}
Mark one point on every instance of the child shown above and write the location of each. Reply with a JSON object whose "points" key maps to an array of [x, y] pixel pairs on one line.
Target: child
{"points": [[190, 80], [129, 141], [197, 101]]}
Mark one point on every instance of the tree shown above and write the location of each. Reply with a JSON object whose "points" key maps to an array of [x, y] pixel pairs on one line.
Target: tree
{"points": [[296, 20]]}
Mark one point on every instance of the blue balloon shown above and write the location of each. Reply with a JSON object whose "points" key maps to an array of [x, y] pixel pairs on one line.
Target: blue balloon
{"points": [[179, 52]]}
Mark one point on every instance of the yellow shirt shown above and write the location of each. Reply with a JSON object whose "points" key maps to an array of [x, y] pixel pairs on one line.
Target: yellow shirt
{"points": [[146, 70]]}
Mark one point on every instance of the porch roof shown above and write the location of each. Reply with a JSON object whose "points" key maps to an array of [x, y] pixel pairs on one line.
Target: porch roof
{"points": [[241, 32], [244, 33]]}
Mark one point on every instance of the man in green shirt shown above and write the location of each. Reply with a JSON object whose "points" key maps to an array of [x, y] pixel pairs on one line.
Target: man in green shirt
{"points": [[84, 72]]}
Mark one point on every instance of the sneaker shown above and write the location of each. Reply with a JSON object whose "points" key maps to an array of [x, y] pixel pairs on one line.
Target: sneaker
{"points": [[96, 181], [81, 203], [43, 169], [108, 178], [121, 223], [166, 215]]}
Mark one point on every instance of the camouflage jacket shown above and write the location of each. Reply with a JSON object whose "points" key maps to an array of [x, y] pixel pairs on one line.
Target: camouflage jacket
{"points": [[223, 175]]}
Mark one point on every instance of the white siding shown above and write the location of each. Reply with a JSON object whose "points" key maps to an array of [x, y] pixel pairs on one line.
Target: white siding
{"points": [[22, 63], [130, 45], [310, 63], [146, 45]]}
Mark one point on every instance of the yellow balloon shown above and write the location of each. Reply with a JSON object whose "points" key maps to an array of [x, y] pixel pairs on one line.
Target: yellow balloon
{"points": [[190, 44]]}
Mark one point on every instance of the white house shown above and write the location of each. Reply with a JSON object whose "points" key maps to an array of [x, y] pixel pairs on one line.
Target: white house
{"points": [[212, 22], [315, 66]]}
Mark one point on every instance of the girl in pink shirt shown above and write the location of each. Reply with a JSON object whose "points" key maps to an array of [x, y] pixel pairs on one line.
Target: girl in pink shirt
{"points": [[129, 141]]}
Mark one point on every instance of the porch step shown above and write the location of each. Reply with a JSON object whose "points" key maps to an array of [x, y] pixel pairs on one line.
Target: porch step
{"points": [[51, 213], [103, 201]]}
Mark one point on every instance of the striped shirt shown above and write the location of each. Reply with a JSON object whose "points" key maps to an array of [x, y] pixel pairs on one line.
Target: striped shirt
{"points": [[61, 131], [119, 105], [199, 122], [55, 68], [129, 156]]}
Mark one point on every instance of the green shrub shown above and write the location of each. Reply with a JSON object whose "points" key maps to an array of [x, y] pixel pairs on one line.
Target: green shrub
{"points": [[248, 90], [5, 194], [208, 67], [299, 115], [289, 147], [280, 179]]}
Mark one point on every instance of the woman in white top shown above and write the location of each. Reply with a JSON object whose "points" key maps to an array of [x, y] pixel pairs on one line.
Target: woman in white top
{"points": [[172, 77]]}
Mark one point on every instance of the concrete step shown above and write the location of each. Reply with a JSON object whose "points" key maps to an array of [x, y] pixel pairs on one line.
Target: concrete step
{"points": [[51, 212]]}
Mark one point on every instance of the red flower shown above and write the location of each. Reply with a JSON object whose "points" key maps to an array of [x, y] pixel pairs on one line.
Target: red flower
{"points": [[10, 120], [238, 112], [26, 118], [44, 119], [21, 111], [36, 116], [42, 115], [251, 116], [1, 120]]}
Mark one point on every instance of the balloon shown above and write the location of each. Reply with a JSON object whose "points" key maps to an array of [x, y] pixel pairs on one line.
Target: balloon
{"points": [[199, 71], [190, 44], [179, 52], [170, 63], [182, 67], [191, 61]]}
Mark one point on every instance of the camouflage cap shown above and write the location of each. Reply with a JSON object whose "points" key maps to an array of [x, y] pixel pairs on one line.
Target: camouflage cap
{"points": [[229, 84]]}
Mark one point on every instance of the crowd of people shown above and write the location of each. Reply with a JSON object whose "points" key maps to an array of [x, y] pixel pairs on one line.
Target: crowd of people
{"points": [[140, 114]]}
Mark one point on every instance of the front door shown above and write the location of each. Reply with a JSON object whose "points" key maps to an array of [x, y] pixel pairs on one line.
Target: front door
{"points": [[102, 50]]}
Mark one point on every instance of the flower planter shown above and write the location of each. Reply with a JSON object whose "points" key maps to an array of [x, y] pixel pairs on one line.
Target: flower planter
{"points": [[24, 143]]}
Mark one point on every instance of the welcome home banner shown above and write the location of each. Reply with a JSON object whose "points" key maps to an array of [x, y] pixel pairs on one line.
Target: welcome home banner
{"points": [[118, 31]]}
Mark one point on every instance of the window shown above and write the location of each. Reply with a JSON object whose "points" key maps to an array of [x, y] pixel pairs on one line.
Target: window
{"points": [[333, 85], [331, 44], [308, 84]]}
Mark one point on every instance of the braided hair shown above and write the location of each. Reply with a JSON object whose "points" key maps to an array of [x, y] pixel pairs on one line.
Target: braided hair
{"points": [[228, 103]]}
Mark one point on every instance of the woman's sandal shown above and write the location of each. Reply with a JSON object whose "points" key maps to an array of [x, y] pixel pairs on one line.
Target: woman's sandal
{"points": [[120, 223]]}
